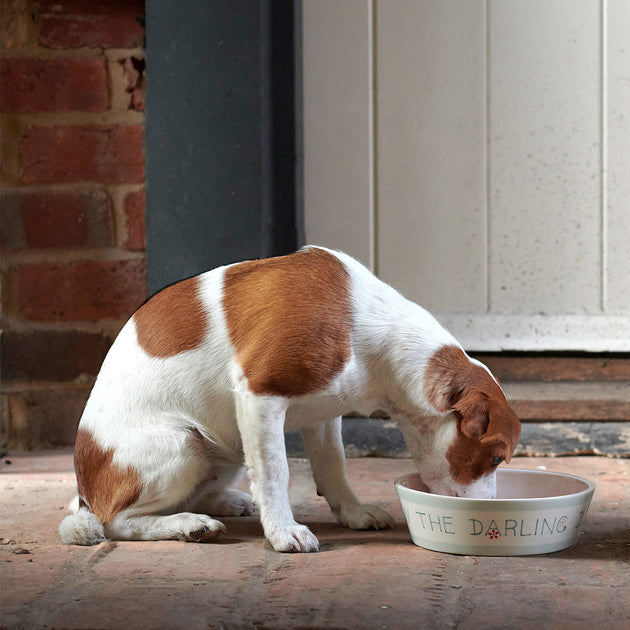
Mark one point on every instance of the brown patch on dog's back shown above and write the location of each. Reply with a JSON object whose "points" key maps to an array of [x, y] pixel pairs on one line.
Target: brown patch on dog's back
{"points": [[172, 321], [106, 488], [289, 319]]}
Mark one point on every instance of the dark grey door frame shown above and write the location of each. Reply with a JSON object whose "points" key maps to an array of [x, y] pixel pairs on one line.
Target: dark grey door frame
{"points": [[223, 159]]}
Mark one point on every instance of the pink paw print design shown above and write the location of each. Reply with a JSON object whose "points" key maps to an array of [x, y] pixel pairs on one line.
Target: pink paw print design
{"points": [[493, 533]]}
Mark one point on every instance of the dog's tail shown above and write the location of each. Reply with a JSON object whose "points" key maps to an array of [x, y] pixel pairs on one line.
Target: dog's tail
{"points": [[81, 528]]}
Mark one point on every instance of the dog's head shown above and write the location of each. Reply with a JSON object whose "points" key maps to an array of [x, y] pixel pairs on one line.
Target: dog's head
{"points": [[487, 434], [479, 433]]}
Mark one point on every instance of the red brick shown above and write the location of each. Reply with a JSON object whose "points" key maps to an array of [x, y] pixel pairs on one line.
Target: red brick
{"points": [[8, 300], [104, 23], [134, 211], [11, 224], [57, 220], [51, 355], [134, 69], [53, 85], [87, 290], [99, 153], [50, 418]]}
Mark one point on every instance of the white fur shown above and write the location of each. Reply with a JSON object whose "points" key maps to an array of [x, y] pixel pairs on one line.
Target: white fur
{"points": [[144, 408], [81, 528]]}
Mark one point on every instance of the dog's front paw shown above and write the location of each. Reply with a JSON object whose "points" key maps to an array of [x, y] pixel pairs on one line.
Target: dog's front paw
{"points": [[364, 516], [296, 538]]}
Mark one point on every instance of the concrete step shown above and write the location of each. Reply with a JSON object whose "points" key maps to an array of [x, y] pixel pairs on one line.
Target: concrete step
{"points": [[570, 401], [558, 418], [373, 437], [552, 367], [574, 438]]}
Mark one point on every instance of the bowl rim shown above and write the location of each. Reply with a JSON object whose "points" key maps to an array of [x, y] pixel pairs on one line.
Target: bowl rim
{"points": [[472, 502]]}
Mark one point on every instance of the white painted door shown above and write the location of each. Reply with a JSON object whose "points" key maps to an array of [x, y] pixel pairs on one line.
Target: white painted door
{"points": [[476, 155]]}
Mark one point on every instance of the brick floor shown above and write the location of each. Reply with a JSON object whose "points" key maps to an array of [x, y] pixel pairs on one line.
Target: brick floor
{"points": [[358, 580]]}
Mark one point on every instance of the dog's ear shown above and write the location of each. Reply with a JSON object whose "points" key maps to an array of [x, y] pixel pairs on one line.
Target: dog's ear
{"points": [[452, 382], [446, 377], [504, 427], [489, 421], [472, 412]]}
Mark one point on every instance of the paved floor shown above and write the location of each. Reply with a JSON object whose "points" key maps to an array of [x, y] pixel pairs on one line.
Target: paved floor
{"points": [[358, 580]]}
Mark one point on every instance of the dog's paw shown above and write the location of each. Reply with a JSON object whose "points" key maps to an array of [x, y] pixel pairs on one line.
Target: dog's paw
{"points": [[198, 527], [364, 516], [231, 502], [296, 538]]}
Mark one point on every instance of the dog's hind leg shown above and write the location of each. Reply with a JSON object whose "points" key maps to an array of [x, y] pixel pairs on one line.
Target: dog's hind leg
{"points": [[136, 492], [219, 497], [324, 448], [182, 526]]}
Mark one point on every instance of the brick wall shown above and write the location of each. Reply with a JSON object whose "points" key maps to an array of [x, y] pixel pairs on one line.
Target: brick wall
{"points": [[72, 174]]}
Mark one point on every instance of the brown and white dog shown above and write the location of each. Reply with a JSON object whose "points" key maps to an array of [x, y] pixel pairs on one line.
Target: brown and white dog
{"points": [[212, 371]]}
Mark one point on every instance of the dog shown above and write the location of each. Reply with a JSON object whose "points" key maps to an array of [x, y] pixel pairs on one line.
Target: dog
{"points": [[210, 372]]}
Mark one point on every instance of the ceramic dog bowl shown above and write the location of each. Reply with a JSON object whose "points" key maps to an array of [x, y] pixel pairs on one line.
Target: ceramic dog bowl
{"points": [[535, 512]]}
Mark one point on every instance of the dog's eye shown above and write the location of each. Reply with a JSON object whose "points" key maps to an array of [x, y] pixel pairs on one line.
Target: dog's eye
{"points": [[497, 460]]}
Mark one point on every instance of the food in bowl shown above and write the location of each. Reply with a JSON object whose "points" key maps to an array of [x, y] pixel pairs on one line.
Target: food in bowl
{"points": [[535, 512]]}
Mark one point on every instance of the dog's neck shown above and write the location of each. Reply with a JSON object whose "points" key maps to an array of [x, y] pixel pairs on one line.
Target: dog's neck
{"points": [[401, 348]]}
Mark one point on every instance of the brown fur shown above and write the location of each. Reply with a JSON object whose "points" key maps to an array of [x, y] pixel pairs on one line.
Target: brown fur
{"points": [[106, 488], [469, 462], [172, 321], [453, 383], [448, 373], [289, 319]]}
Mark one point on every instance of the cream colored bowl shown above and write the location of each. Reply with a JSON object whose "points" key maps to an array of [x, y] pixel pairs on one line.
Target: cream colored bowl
{"points": [[535, 512]]}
